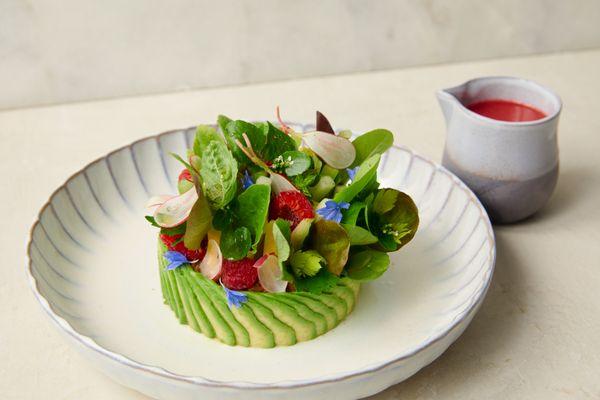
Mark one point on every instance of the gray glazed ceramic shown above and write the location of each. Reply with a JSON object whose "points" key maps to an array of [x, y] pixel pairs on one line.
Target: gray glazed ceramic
{"points": [[511, 166]]}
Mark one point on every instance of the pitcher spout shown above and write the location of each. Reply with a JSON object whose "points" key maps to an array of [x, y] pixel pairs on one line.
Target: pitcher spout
{"points": [[448, 102]]}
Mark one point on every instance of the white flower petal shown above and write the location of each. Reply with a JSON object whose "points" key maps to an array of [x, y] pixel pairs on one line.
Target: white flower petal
{"points": [[280, 184], [336, 151], [269, 276], [212, 263], [156, 201], [175, 210]]}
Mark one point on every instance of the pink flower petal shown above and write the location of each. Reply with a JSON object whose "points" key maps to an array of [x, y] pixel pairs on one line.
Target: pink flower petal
{"points": [[269, 276], [175, 210], [336, 151]]}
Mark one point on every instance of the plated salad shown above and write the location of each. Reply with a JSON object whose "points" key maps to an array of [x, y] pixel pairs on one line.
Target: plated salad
{"points": [[274, 230]]}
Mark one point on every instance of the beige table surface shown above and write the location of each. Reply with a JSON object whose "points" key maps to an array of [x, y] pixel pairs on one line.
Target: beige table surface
{"points": [[537, 334]]}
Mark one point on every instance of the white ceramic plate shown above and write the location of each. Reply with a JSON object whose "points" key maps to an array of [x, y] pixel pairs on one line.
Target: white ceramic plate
{"points": [[93, 268]]}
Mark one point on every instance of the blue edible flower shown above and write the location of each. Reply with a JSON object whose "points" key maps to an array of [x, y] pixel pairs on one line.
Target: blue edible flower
{"points": [[234, 298], [352, 172], [175, 259], [247, 180], [333, 210]]}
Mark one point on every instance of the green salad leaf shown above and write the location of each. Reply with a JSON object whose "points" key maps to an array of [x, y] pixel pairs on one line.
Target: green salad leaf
{"points": [[223, 121], [296, 162], [375, 142], [235, 130], [218, 170], [323, 281], [281, 235], [252, 208], [394, 217], [204, 135], [306, 263], [366, 175], [367, 265], [235, 243], [331, 241], [350, 216], [359, 235], [198, 223], [277, 142]]}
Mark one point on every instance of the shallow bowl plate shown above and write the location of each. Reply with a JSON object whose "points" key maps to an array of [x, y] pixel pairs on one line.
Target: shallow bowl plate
{"points": [[92, 266]]}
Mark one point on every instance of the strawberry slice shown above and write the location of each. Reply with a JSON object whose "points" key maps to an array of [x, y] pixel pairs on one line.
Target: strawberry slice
{"points": [[240, 274], [292, 206]]}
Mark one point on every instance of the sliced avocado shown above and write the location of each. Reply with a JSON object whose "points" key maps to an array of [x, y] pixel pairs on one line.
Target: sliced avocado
{"points": [[260, 334], [304, 329], [332, 301], [163, 289], [179, 311], [187, 299], [352, 285], [317, 307], [242, 338], [305, 312], [222, 329], [163, 285], [345, 294], [283, 334]]}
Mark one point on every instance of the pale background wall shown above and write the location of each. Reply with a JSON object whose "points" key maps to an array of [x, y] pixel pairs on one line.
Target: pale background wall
{"points": [[54, 51]]}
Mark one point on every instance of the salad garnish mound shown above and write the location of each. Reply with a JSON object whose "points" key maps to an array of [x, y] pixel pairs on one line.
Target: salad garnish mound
{"points": [[273, 230]]}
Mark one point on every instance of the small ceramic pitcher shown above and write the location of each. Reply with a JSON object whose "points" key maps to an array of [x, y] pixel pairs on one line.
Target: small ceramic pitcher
{"points": [[511, 166]]}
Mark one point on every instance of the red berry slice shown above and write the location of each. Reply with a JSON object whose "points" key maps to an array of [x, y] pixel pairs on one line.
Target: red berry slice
{"points": [[292, 206], [191, 255], [239, 275], [185, 175]]}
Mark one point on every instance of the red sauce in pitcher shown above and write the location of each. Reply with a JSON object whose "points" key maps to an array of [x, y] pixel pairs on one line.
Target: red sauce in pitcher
{"points": [[506, 110]]}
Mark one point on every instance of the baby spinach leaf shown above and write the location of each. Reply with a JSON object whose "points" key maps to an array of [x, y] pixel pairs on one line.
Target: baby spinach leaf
{"points": [[223, 121], [372, 143], [277, 143], [252, 208], [223, 219], [218, 170], [235, 131], [367, 265], [296, 162], [198, 223], [204, 135], [321, 282], [332, 242], [235, 244], [359, 236], [366, 174], [395, 218]]}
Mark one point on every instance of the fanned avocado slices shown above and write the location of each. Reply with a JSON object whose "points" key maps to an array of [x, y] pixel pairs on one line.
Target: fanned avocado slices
{"points": [[264, 320]]}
